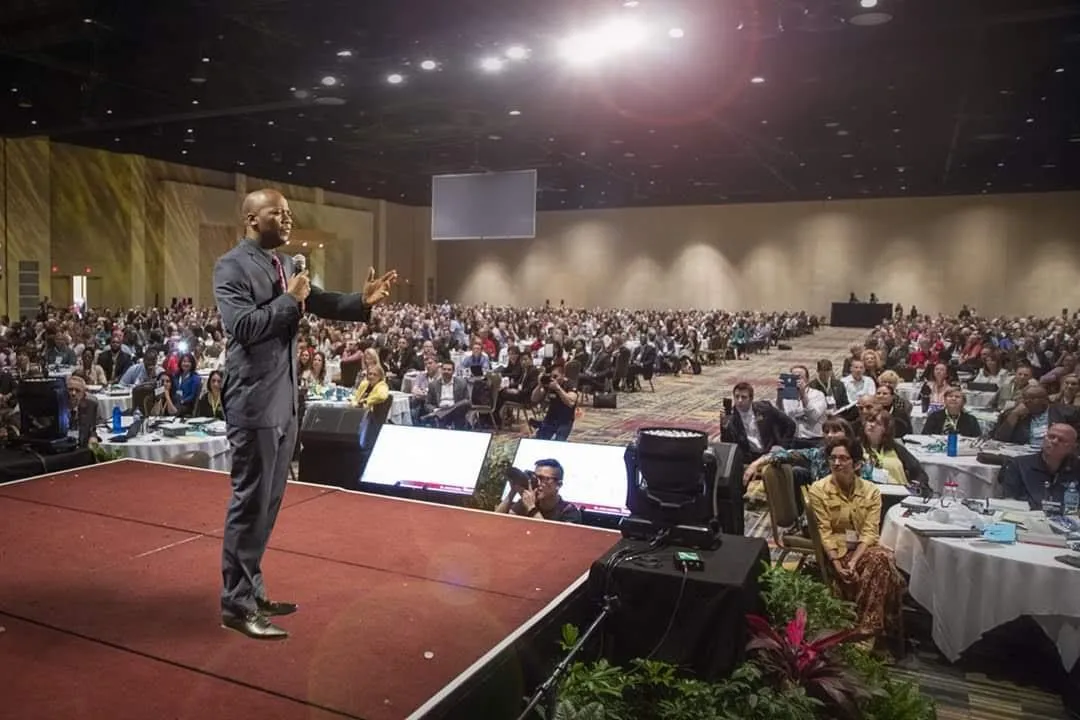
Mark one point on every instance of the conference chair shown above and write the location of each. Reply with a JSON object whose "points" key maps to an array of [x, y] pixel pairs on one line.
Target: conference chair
{"points": [[142, 397], [779, 485]]}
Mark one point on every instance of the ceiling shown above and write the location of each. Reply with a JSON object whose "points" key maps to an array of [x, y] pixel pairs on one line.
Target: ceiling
{"points": [[949, 97]]}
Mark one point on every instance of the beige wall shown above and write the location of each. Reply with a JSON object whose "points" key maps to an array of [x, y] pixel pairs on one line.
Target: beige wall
{"points": [[1003, 254], [151, 230]]}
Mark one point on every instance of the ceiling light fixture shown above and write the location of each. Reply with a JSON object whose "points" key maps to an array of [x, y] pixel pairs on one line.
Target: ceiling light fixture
{"points": [[631, 3], [344, 53], [1059, 70], [194, 102], [517, 52], [757, 80], [329, 81], [676, 33], [868, 4], [395, 78], [428, 65], [206, 59], [492, 64]]}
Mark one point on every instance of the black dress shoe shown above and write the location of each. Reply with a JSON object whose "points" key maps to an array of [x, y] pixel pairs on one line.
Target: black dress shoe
{"points": [[275, 609], [255, 625]]}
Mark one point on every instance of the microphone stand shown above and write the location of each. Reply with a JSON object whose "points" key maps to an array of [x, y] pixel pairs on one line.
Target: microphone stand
{"points": [[546, 692]]}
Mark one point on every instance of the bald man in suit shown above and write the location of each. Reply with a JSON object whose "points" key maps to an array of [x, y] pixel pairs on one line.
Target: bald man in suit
{"points": [[261, 296]]}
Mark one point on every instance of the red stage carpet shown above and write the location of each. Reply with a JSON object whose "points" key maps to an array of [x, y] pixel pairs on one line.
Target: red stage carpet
{"points": [[110, 581]]}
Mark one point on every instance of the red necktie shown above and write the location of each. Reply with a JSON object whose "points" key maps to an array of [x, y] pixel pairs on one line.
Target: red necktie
{"points": [[281, 276]]}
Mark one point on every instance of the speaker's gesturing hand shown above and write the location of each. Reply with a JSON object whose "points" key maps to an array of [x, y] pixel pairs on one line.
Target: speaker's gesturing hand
{"points": [[300, 286]]}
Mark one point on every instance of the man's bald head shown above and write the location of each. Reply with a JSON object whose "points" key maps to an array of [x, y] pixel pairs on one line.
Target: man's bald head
{"points": [[1060, 442], [267, 218]]}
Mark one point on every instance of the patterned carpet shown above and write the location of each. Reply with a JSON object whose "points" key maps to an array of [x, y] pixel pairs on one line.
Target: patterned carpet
{"points": [[692, 401]]}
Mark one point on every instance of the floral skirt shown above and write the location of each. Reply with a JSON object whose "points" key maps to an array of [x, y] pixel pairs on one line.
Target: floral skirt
{"points": [[877, 591]]}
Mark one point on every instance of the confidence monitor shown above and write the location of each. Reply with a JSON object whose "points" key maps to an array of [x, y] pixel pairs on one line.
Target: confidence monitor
{"points": [[498, 205], [594, 476], [425, 463]]}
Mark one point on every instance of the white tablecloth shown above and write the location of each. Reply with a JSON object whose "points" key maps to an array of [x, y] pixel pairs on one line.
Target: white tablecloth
{"points": [[152, 446], [973, 399], [971, 587], [973, 478], [400, 410], [106, 403]]}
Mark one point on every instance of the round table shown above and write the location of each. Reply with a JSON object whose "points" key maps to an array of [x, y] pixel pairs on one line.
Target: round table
{"points": [[971, 586], [400, 409], [107, 401], [972, 398], [156, 447], [973, 478]]}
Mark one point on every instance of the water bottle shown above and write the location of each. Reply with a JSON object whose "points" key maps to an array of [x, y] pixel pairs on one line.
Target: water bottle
{"points": [[951, 492], [952, 445], [1071, 501], [116, 428], [1050, 506]]}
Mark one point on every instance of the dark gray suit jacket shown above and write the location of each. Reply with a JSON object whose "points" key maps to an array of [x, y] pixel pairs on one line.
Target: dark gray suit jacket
{"points": [[261, 321], [434, 393]]}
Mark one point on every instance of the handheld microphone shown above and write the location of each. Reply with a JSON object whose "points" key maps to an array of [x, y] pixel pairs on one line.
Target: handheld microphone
{"points": [[300, 262]]}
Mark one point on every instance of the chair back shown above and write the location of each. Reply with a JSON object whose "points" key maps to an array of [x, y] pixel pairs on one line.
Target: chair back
{"points": [[780, 497], [815, 537], [142, 397], [622, 364], [495, 385], [372, 423], [573, 372]]}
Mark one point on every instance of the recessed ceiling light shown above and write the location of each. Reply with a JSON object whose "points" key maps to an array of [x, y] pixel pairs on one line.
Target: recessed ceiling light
{"points": [[190, 130], [515, 113], [757, 80], [1030, 120], [842, 133], [241, 163], [494, 137], [492, 64], [631, 3], [329, 81], [517, 52], [1059, 70], [206, 59], [108, 112], [867, 4], [676, 33], [183, 152], [269, 122], [428, 65], [344, 53], [33, 122], [88, 21], [307, 157], [194, 102], [896, 130], [14, 89], [629, 155], [1049, 166], [395, 78], [847, 156]]}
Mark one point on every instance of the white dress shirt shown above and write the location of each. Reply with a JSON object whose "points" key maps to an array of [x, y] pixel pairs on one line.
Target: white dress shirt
{"points": [[808, 415], [752, 433], [858, 388]]}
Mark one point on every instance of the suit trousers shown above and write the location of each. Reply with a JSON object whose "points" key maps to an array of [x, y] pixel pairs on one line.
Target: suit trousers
{"points": [[260, 469]]}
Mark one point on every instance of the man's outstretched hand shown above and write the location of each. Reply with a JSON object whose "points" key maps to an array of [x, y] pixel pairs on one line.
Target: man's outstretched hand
{"points": [[378, 289]]}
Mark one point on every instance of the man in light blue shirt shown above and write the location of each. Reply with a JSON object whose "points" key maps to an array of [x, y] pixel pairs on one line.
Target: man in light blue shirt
{"points": [[146, 371]]}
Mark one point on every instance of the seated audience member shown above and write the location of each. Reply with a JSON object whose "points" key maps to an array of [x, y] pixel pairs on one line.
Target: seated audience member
{"points": [[882, 452], [642, 365], [209, 405], [938, 385], [1052, 378], [373, 390], [188, 385], [83, 419], [162, 403], [887, 399], [855, 353], [1009, 392], [542, 500], [857, 384], [89, 370], [808, 465], [827, 383], [991, 372], [807, 412], [448, 399], [317, 376], [512, 369], [477, 358], [599, 370], [521, 386], [847, 512], [114, 360], [952, 419], [1029, 419], [1031, 477], [144, 372], [756, 427], [402, 360], [558, 421], [1070, 392]]}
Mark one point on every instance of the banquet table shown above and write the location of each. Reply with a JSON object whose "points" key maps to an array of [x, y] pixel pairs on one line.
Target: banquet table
{"points": [[987, 419], [973, 478], [400, 409], [106, 401], [972, 586], [155, 446]]}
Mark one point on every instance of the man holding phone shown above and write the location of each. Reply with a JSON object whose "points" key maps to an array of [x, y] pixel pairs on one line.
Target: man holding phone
{"points": [[806, 406]]}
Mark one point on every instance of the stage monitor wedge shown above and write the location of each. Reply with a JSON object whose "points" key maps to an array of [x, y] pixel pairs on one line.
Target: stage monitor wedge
{"points": [[496, 205], [594, 476], [424, 459]]}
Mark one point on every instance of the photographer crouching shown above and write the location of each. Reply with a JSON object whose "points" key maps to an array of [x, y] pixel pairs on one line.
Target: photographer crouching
{"points": [[539, 494], [562, 405]]}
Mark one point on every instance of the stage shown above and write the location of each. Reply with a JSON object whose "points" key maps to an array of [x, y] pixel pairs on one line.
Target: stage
{"points": [[109, 601]]}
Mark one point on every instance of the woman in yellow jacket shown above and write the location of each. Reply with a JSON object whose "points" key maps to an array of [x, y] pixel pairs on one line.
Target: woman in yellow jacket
{"points": [[373, 389]]}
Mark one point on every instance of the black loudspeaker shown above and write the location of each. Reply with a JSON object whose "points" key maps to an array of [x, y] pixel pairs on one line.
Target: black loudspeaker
{"points": [[330, 449], [728, 487], [44, 415]]}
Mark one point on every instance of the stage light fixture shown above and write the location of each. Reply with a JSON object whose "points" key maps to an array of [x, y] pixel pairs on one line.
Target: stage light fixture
{"points": [[395, 78], [428, 65], [329, 81], [492, 64], [517, 52]]}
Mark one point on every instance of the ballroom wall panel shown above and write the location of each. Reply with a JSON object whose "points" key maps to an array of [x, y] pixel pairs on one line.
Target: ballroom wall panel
{"points": [[1002, 254]]}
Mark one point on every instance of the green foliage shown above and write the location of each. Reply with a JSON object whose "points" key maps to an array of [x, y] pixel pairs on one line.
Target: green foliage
{"points": [[103, 454], [492, 481], [785, 591]]}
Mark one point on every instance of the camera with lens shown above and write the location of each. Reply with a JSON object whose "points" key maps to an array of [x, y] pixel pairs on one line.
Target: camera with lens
{"points": [[545, 379], [521, 480]]}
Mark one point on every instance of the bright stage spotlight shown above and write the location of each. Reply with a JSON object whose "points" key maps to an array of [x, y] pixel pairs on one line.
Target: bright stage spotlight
{"points": [[517, 52], [492, 64], [613, 38]]}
